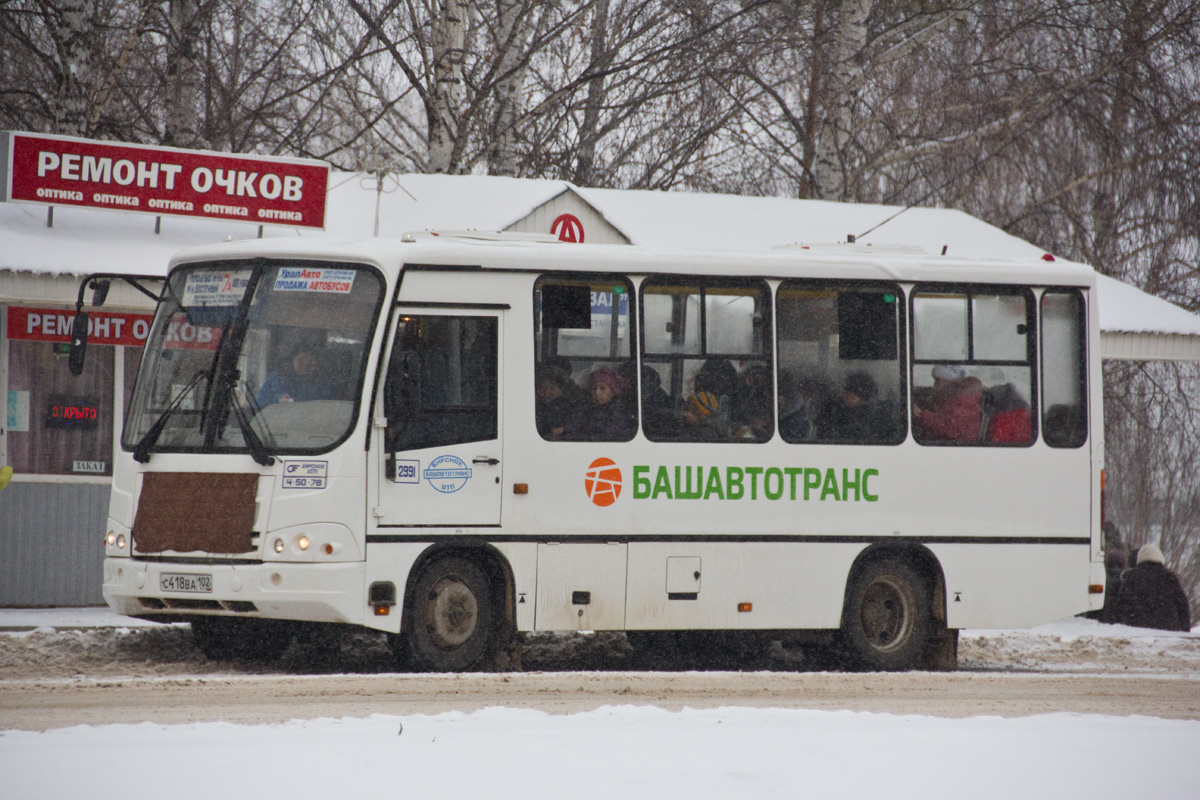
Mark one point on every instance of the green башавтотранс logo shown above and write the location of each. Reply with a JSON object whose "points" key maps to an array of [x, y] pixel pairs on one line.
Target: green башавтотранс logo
{"points": [[754, 483]]}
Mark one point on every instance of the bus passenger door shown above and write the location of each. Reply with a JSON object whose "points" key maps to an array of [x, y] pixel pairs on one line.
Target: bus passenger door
{"points": [[442, 460]]}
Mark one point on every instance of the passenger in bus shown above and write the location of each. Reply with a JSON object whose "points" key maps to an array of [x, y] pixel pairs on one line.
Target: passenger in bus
{"points": [[559, 401], [608, 418], [758, 423], [703, 420], [860, 417], [952, 410], [798, 407], [1006, 415], [659, 420], [299, 380], [718, 376], [752, 408]]}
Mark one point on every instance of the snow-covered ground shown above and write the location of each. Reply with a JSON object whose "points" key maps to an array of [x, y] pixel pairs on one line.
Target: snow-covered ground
{"points": [[630, 751], [615, 752]]}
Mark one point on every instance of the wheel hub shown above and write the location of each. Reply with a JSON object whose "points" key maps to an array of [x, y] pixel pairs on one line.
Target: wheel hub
{"points": [[453, 611], [886, 620]]}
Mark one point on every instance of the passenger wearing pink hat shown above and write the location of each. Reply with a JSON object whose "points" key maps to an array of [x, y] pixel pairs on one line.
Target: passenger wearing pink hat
{"points": [[607, 420]]}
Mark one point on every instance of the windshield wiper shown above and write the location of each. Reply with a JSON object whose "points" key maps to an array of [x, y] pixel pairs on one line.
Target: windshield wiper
{"points": [[258, 450], [145, 445]]}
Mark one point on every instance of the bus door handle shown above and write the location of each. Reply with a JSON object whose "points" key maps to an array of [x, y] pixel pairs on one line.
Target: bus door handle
{"points": [[485, 460]]}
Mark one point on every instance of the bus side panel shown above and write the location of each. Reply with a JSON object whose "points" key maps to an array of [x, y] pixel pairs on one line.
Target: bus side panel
{"points": [[789, 585], [1006, 586], [581, 586], [522, 558]]}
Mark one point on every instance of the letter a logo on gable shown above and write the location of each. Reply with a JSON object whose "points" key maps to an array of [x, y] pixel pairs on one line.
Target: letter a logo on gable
{"points": [[567, 228], [603, 482]]}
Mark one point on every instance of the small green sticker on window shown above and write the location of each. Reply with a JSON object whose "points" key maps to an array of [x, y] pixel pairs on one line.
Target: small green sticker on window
{"points": [[618, 290], [889, 298]]}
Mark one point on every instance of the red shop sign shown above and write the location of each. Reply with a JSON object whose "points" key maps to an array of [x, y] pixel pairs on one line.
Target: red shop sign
{"points": [[105, 327], [64, 170], [54, 325]]}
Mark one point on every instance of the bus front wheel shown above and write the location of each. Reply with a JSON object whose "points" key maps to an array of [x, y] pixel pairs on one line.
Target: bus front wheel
{"points": [[886, 624], [451, 621]]}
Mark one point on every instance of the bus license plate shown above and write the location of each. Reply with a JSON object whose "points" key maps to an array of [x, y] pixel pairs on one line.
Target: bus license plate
{"points": [[182, 582]]}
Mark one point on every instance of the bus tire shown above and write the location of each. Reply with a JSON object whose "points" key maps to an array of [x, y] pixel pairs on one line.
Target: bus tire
{"points": [[886, 623], [451, 619], [224, 639]]}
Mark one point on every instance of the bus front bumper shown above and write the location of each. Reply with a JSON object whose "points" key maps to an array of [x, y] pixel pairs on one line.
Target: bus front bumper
{"points": [[165, 591]]}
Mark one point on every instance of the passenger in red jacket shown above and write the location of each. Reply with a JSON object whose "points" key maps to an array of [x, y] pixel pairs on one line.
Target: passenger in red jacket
{"points": [[1008, 416], [953, 413]]}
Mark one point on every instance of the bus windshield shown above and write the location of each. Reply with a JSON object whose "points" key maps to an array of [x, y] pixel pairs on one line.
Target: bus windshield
{"points": [[265, 357]]}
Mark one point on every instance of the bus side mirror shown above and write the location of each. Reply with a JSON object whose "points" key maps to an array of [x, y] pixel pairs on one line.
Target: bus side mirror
{"points": [[79, 338], [100, 292]]}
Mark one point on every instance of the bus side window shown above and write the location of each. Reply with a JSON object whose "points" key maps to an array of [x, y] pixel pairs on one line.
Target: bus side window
{"points": [[1064, 369], [972, 368], [441, 382], [706, 360], [840, 378], [584, 385]]}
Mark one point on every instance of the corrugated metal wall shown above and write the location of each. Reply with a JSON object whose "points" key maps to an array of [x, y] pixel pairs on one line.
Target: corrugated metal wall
{"points": [[51, 548]]}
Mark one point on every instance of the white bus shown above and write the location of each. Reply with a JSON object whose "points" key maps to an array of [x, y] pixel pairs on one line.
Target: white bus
{"points": [[456, 439]]}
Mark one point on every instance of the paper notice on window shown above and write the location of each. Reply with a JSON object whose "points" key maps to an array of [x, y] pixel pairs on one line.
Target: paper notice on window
{"points": [[313, 279], [18, 411], [215, 288]]}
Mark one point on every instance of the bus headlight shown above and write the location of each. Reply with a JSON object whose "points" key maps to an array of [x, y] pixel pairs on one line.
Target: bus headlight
{"points": [[302, 542], [121, 542], [279, 545]]}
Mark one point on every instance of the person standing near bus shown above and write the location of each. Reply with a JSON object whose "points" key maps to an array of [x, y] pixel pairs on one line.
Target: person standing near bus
{"points": [[1151, 596], [953, 410]]}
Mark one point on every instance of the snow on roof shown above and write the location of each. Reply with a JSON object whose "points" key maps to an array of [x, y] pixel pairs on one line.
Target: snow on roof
{"points": [[86, 240], [1127, 309], [680, 220], [429, 202]]}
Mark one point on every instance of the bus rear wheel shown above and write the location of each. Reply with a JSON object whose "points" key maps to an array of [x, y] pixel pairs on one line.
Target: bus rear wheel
{"points": [[451, 619], [886, 624]]}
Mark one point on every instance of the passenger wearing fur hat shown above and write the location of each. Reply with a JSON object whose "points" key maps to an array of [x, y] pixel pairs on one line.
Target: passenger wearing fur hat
{"points": [[951, 411], [1151, 596]]}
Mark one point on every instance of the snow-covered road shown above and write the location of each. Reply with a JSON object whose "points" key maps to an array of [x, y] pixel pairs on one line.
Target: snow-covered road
{"points": [[1072, 709]]}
